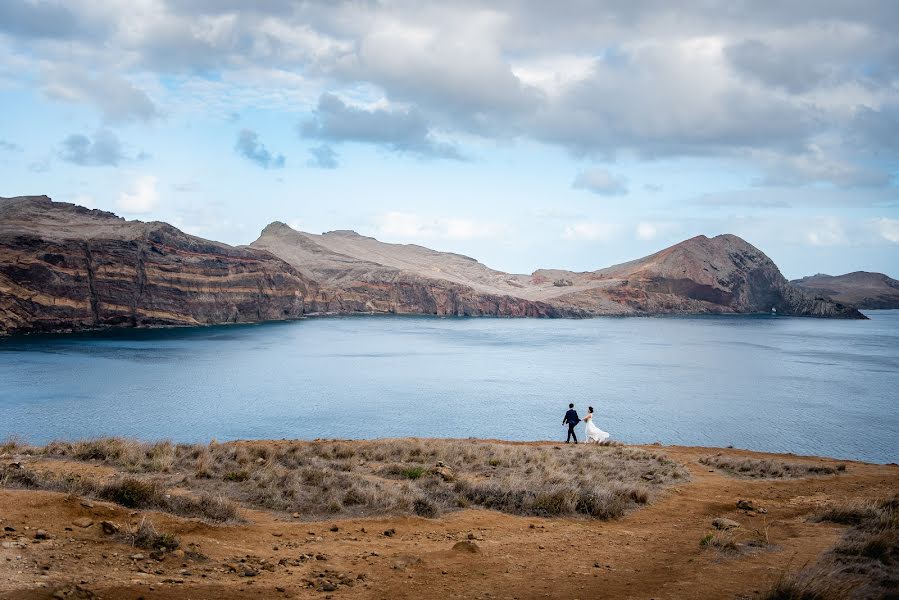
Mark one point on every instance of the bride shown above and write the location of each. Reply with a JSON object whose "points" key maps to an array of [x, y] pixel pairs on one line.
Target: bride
{"points": [[594, 433]]}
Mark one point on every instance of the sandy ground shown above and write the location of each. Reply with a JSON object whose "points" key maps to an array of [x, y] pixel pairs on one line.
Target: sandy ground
{"points": [[651, 553]]}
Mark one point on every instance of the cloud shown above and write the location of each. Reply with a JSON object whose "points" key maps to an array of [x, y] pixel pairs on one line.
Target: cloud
{"points": [[249, 146], [826, 231], [118, 99], [650, 230], [591, 231], [397, 129], [103, 150], [143, 198], [739, 82], [42, 20], [10, 146], [599, 181], [813, 165], [888, 229], [414, 227], [323, 157]]}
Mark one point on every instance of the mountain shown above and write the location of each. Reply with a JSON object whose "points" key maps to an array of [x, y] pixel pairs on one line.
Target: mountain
{"points": [[861, 288], [723, 274], [64, 267]]}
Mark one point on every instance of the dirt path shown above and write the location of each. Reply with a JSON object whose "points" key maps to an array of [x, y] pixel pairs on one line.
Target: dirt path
{"points": [[651, 553]]}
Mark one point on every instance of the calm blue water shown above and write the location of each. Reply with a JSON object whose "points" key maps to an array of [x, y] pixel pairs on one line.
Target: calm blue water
{"points": [[807, 386]]}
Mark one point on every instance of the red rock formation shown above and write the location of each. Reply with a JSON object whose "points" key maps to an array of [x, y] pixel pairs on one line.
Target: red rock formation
{"points": [[64, 267]]}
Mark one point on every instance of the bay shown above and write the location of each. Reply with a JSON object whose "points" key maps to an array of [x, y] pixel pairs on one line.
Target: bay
{"points": [[808, 386]]}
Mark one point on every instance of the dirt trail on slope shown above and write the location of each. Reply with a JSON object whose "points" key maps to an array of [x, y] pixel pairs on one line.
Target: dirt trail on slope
{"points": [[654, 552]]}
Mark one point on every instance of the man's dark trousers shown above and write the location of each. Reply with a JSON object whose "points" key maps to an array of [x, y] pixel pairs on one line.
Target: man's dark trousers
{"points": [[571, 433]]}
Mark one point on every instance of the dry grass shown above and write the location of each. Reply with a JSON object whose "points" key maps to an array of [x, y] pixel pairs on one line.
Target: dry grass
{"points": [[126, 491], [755, 468], [406, 476], [863, 564]]}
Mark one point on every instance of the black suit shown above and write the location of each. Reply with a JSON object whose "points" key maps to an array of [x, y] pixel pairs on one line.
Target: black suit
{"points": [[571, 419]]}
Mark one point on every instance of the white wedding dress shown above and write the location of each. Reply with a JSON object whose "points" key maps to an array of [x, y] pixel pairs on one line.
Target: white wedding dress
{"points": [[594, 434]]}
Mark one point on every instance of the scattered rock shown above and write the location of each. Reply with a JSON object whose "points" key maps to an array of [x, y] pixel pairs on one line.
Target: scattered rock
{"points": [[335, 528], [74, 592], [724, 523], [137, 556], [443, 472], [468, 546], [390, 532], [295, 515], [87, 504], [745, 505], [83, 522], [647, 477], [249, 573], [109, 528], [40, 534]]}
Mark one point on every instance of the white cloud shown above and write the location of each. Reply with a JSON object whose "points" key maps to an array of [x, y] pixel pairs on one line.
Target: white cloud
{"points": [[143, 197], [410, 226], [591, 231], [599, 181], [650, 230], [888, 229], [826, 231]]}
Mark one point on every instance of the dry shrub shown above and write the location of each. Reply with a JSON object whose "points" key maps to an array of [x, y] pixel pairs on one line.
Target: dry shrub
{"points": [[394, 476], [863, 564], [145, 536], [756, 468]]}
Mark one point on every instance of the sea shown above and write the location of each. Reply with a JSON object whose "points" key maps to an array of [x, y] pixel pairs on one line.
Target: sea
{"points": [[772, 383]]}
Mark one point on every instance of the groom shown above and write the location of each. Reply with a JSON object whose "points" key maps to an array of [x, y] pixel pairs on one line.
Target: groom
{"points": [[571, 419]]}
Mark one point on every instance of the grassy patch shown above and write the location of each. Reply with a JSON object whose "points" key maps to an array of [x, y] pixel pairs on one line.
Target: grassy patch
{"points": [[863, 564], [756, 468], [379, 477]]}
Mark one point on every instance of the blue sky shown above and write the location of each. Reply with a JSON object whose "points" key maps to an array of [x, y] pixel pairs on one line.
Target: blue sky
{"points": [[577, 137]]}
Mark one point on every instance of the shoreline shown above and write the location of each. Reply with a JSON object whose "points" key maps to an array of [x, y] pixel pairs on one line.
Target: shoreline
{"points": [[99, 330]]}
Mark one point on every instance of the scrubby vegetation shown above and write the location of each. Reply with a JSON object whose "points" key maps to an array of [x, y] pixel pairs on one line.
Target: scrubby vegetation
{"points": [[127, 491], [754, 468], [331, 478], [863, 564]]}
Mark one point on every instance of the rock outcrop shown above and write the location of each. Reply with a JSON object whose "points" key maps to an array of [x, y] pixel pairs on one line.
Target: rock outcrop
{"points": [[724, 274], [358, 274], [64, 267], [861, 288]]}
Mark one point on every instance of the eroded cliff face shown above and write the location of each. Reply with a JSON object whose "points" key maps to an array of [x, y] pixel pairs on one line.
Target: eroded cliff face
{"points": [[357, 274], [724, 274], [861, 288], [64, 267]]}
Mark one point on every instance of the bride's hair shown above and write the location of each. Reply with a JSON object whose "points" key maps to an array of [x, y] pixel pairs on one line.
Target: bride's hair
{"points": [[590, 408]]}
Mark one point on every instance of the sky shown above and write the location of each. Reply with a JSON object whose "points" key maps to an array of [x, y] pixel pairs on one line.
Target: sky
{"points": [[530, 134]]}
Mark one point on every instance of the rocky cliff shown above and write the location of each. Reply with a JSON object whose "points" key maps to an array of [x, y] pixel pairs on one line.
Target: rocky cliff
{"points": [[861, 288], [358, 274], [724, 274], [64, 267]]}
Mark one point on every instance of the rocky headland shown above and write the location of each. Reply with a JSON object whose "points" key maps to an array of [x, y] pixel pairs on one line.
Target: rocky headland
{"points": [[861, 288], [64, 268]]}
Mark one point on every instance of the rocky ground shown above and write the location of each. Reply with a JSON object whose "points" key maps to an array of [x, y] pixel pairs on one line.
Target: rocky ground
{"points": [[718, 535]]}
